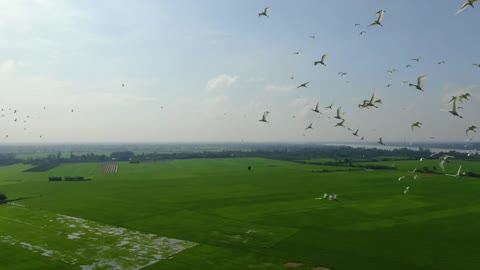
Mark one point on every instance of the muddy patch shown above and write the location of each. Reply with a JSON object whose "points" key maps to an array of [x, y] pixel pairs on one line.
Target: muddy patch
{"points": [[321, 268], [293, 264]]}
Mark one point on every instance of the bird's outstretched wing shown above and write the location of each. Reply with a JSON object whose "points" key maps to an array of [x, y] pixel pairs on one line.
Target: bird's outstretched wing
{"points": [[380, 16], [462, 8], [420, 81], [454, 98], [324, 57], [441, 164]]}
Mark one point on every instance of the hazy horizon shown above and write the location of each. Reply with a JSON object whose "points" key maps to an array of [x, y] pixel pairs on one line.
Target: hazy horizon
{"points": [[205, 72]]}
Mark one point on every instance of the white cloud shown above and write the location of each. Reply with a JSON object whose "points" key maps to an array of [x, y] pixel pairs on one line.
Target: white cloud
{"points": [[10, 65], [301, 107], [221, 82], [279, 87], [215, 100], [256, 79]]}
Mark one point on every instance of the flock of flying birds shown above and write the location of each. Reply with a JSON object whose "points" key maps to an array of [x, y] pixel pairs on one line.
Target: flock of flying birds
{"points": [[22, 120], [374, 101]]}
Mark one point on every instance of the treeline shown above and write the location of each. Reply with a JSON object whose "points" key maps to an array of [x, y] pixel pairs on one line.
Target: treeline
{"points": [[341, 155], [8, 159], [67, 178]]}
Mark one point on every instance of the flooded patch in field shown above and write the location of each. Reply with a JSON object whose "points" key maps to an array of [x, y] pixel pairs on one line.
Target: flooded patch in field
{"points": [[83, 243]]}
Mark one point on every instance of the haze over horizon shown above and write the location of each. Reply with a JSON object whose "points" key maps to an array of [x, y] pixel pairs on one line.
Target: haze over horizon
{"points": [[206, 72]]}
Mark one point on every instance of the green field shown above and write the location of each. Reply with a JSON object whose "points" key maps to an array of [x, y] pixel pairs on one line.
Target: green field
{"points": [[215, 214]]}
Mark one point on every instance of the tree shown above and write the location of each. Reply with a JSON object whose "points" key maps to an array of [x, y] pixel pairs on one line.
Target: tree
{"points": [[3, 198]]}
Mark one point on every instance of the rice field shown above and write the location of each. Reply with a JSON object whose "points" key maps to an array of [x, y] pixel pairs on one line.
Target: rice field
{"points": [[216, 214]]}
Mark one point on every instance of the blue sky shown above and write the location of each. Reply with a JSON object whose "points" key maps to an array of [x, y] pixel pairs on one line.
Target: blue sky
{"points": [[207, 70]]}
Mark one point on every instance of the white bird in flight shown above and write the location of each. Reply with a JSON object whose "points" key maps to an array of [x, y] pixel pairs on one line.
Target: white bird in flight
{"points": [[340, 124], [407, 189], [391, 71], [309, 126], [316, 108], [380, 141], [264, 13], [303, 85], [400, 178], [471, 129], [379, 20], [457, 175], [454, 110], [465, 96], [339, 114], [466, 5], [374, 100], [264, 118], [322, 61], [419, 84], [416, 125], [442, 161]]}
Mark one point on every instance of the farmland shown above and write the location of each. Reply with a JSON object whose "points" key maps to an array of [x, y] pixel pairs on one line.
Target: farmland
{"points": [[215, 214]]}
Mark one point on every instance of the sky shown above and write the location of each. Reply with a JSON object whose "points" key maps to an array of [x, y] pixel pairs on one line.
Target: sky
{"points": [[205, 71]]}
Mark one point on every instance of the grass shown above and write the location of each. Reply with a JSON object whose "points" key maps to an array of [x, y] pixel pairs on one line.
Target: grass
{"points": [[259, 219]]}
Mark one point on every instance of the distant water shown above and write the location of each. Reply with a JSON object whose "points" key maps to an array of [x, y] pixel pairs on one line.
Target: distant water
{"points": [[388, 147]]}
